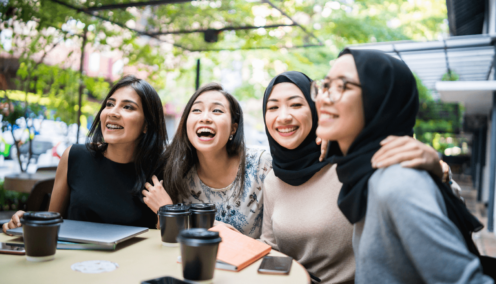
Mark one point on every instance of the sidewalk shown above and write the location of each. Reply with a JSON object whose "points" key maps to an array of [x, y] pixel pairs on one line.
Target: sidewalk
{"points": [[485, 241]]}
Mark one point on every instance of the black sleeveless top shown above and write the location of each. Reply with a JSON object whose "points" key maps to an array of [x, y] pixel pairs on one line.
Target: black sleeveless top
{"points": [[100, 191]]}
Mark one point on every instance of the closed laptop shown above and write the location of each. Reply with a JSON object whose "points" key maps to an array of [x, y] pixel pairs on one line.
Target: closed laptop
{"points": [[92, 233]]}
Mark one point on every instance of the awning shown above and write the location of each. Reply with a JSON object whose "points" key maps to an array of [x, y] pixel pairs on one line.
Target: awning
{"points": [[476, 96], [468, 57]]}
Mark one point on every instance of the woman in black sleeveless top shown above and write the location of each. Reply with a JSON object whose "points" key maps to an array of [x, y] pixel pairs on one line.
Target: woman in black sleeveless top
{"points": [[101, 191], [102, 180]]}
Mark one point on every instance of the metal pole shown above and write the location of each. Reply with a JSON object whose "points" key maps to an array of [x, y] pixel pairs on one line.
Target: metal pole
{"points": [[492, 169], [480, 161], [197, 74], [474, 161], [492, 161], [81, 65]]}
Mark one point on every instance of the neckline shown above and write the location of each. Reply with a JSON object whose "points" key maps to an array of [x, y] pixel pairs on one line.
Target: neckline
{"points": [[117, 163], [230, 186]]}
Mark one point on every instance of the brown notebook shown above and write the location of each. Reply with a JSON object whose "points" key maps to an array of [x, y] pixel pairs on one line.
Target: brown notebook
{"points": [[237, 251]]}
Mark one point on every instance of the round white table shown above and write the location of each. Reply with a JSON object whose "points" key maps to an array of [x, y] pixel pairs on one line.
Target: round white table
{"points": [[141, 258]]}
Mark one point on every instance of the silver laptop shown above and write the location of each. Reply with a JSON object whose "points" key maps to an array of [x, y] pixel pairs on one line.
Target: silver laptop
{"points": [[92, 233]]}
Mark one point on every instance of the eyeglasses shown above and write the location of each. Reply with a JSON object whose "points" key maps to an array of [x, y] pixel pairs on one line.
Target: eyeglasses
{"points": [[332, 88]]}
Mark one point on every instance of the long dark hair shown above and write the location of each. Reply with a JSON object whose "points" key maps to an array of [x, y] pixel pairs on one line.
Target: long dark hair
{"points": [[148, 154], [181, 156]]}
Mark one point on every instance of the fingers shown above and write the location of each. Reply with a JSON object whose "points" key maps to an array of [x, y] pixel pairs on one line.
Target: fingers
{"points": [[6, 227], [155, 180], [148, 186], [391, 143], [323, 150], [415, 163], [154, 196], [399, 158], [16, 220], [389, 139], [318, 140], [396, 153], [445, 167]]}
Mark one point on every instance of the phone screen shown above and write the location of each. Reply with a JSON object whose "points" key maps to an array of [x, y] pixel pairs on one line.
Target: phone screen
{"points": [[275, 265], [12, 248]]}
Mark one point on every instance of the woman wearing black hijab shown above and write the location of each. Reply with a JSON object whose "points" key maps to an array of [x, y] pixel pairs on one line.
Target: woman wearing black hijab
{"points": [[409, 227], [299, 220]]}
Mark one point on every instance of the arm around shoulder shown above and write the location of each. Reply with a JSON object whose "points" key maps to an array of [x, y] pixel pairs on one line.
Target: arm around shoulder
{"points": [[61, 191]]}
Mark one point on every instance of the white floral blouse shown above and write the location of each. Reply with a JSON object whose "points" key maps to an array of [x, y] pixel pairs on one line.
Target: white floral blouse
{"points": [[244, 213]]}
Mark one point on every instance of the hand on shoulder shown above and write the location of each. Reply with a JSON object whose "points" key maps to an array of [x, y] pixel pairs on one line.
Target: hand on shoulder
{"points": [[408, 152], [323, 147]]}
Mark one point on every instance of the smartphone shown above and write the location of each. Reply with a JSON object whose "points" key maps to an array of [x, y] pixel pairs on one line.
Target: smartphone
{"points": [[12, 248], [275, 265]]}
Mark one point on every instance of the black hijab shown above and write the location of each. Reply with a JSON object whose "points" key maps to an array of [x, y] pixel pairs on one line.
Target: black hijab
{"points": [[296, 166], [390, 104]]}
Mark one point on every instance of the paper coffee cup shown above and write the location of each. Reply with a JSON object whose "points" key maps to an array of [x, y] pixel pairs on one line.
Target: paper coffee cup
{"points": [[40, 233]]}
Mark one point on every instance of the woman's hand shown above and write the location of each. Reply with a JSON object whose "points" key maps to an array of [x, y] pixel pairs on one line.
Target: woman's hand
{"points": [[155, 195], [408, 152], [15, 221], [323, 148]]}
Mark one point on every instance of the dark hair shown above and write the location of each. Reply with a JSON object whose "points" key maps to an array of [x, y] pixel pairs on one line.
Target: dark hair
{"points": [[148, 155], [181, 156]]}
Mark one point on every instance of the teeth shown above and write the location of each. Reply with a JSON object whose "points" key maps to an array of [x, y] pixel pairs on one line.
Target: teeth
{"points": [[327, 116], [114, 126], [201, 130], [287, 130]]}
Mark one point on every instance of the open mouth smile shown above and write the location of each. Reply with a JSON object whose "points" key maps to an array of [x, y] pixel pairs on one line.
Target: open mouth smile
{"points": [[328, 116], [205, 133], [111, 126], [287, 130]]}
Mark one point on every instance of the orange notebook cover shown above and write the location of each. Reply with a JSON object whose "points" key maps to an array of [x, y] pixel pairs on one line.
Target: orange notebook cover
{"points": [[237, 249]]}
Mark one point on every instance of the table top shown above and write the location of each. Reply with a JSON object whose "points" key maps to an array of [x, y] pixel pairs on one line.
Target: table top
{"points": [[24, 182], [34, 176], [139, 259]]}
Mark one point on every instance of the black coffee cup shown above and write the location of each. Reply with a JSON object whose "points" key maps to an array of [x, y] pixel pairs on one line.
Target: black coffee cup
{"points": [[40, 231], [199, 254], [202, 215], [173, 219]]}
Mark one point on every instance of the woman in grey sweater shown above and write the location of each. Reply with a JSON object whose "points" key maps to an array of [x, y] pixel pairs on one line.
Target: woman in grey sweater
{"points": [[408, 227]]}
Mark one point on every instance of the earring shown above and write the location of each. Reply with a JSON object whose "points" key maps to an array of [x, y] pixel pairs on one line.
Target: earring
{"points": [[230, 137]]}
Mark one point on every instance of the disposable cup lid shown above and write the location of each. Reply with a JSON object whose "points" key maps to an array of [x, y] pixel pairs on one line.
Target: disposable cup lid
{"points": [[176, 208], [42, 217], [203, 206], [199, 236]]}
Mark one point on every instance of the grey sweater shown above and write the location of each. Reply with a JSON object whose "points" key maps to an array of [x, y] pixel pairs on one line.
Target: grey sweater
{"points": [[406, 236]]}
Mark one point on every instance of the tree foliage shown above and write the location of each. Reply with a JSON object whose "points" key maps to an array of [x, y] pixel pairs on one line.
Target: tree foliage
{"points": [[171, 69]]}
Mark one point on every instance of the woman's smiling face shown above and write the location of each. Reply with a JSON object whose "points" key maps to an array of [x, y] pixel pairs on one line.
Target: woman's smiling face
{"points": [[288, 116], [122, 120], [342, 121], [209, 122]]}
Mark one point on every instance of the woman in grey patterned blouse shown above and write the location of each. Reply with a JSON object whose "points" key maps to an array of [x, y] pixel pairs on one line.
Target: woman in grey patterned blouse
{"points": [[207, 162]]}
